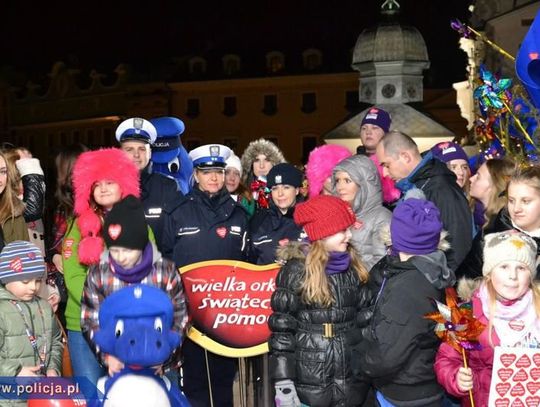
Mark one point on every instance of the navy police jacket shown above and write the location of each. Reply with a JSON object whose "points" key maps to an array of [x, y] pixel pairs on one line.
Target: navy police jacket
{"points": [[270, 229], [159, 196], [208, 228]]}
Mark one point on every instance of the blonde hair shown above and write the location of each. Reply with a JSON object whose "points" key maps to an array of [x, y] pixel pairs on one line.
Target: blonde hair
{"points": [[315, 288], [10, 205], [492, 298]]}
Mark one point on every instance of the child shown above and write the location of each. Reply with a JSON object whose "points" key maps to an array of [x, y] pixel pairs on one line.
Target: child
{"points": [[506, 294], [399, 347], [319, 291], [130, 259], [24, 316]]}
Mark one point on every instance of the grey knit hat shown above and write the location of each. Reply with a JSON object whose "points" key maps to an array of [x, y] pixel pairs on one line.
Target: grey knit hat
{"points": [[20, 260]]}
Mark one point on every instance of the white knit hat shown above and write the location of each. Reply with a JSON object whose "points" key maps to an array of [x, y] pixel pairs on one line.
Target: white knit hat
{"points": [[506, 246], [234, 162]]}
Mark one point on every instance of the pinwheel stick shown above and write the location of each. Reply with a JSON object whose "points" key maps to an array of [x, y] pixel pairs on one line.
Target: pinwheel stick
{"points": [[520, 126], [491, 43], [465, 364]]}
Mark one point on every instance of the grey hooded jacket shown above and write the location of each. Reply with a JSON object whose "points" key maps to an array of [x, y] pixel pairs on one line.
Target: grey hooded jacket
{"points": [[368, 207]]}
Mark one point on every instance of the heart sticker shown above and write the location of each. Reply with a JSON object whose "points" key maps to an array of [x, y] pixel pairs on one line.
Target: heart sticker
{"points": [[535, 373], [114, 231], [536, 359], [533, 387], [518, 390], [502, 388], [517, 325], [517, 403], [533, 401], [229, 302], [521, 376], [502, 402], [505, 374], [523, 361], [507, 359], [221, 232]]}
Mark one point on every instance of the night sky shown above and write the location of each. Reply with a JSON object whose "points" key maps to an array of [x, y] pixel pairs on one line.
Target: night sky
{"points": [[101, 34]]}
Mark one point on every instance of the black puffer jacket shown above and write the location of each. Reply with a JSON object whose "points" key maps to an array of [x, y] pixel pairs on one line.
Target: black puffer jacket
{"points": [[398, 350], [319, 366]]}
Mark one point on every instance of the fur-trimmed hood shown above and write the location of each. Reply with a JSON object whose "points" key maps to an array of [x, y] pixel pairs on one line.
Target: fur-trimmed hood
{"points": [[260, 146], [321, 162], [92, 166], [292, 250]]}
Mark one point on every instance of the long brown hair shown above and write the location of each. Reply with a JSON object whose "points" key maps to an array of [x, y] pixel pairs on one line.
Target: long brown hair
{"points": [[10, 205], [315, 288], [64, 162]]}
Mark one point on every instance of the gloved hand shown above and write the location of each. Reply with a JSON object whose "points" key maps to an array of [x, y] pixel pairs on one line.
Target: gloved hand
{"points": [[286, 394]]}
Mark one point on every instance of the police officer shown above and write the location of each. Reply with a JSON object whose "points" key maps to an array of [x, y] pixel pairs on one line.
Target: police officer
{"points": [[159, 194], [274, 227], [208, 225]]}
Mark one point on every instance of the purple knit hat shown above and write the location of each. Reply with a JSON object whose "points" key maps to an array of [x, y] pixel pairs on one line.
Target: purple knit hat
{"points": [[448, 151], [378, 117], [415, 227]]}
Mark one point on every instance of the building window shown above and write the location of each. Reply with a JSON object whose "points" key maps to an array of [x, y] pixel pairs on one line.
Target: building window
{"points": [[275, 62], [308, 144], [232, 143], [312, 59], [231, 64], [197, 65], [229, 106], [191, 144], [192, 108], [351, 100], [309, 102], [270, 105]]}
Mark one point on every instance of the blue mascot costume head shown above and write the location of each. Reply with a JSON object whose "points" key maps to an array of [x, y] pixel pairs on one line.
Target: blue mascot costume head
{"points": [[169, 156], [136, 327]]}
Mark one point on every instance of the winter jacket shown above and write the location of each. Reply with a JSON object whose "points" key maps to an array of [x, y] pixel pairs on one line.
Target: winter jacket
{"points": [[159, 195], [33, 181], [101, 282], [268, 230], [398, 349], [16, 350], [311, 345], [372, 216], [480, 361], [439, 186], [207, 228], [15, 229]]}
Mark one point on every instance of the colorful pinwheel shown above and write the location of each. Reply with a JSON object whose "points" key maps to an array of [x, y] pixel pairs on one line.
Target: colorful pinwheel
{"points": [[461, 28], [492, 93]]}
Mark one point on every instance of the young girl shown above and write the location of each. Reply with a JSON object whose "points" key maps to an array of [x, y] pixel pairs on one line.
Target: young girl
{"points": [[30, 339], [100, 179], [506, 294], [319, 291]]}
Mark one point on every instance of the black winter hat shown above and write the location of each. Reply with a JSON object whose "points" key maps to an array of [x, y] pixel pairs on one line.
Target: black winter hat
{"points": [[284, 174], [125, 225]]}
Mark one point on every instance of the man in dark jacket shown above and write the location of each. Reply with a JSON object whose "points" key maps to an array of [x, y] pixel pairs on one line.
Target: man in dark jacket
{"points": [[401, 160], [159, 194]]}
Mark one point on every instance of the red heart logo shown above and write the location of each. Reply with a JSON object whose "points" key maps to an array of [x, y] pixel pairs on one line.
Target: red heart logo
{"points": [[502, 388], [507, 359], [221, 232], [523, 361], [505, 374], [521, 376], [114, 231], [31, 255], [536, 359], [533, 55], [517, 325], [533, 387], [533, 401], [517, 390], [16, 265], [283, 242], [535, 373], [517, 403], [229, 302], [502, 403], [67, 253]]}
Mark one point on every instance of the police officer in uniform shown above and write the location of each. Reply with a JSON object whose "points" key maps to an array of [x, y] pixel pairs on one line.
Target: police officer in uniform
{"points": [[208, 225], [159, 194], [274, 227]]}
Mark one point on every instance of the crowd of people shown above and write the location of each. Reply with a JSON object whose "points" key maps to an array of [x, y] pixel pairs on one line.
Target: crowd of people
{"points": [[364, 249]]}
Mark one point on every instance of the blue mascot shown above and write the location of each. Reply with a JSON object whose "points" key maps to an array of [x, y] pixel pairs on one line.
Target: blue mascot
{"points": [[169, 156], [135, 326]]}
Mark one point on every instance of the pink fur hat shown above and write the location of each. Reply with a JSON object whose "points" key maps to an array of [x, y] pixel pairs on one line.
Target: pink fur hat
{"points": [[110, 164], [321, 162]]}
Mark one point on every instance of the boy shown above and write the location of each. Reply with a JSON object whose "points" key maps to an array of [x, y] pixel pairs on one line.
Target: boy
{"points": [[398, 349]]}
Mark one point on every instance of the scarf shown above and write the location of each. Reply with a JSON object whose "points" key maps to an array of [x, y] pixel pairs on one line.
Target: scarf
{"points": [[338, 262], [137, 272], [406, 184], [515, 322]]}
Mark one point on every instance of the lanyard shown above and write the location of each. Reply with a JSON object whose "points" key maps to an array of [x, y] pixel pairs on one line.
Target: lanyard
{"points": [[31, 336]]}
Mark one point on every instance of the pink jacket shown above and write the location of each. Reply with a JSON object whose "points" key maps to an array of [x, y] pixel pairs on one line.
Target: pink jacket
{"points": [[448, 361]]}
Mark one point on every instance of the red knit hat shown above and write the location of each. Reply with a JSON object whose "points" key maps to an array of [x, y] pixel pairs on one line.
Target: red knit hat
{"points": [[323, 216]]}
